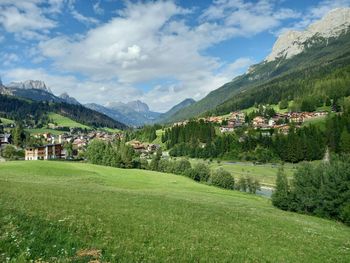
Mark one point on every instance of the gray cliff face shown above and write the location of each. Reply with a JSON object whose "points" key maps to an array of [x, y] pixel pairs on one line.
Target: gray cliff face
{"points": [[30, 84], [293, 42]]}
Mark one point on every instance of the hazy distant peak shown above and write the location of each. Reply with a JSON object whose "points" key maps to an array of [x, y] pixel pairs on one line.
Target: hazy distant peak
{"points": [[65, 96], [138, 106]]}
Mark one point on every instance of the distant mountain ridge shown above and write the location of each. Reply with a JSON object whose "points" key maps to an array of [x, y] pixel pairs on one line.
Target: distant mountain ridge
{"points": [[31, 93], [68, 99], [35, 90], [183, 104], [136, 113]]}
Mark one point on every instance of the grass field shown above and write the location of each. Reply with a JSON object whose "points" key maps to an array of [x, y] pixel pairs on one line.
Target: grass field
{"points": [[66, 122], [73, 212], [6, 121], [265, 173], [44, 130], [110, 130], [158, 140]]}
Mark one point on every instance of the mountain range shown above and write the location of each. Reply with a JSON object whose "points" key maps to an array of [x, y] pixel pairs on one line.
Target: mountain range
{"points": [[301, 56], [134, 113]]}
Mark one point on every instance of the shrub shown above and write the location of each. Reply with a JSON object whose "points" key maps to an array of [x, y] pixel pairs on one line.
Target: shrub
{"points": [[200, 172], [248, 184], [181, 166], [11, 153], [222, 178]]}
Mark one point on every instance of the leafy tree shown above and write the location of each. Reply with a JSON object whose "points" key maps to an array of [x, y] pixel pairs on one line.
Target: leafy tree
{"points": [[154, 165], [222, 178], [182, 166], [69, 149], [201, 172]]}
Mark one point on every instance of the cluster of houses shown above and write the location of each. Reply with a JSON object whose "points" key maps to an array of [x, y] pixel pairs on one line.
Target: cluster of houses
{"points": [[53, 148], [146, 149], [280, 122]]}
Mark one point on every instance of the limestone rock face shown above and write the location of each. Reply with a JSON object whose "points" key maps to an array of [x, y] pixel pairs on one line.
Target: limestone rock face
{"points": [[293, 42], [30, 84]]}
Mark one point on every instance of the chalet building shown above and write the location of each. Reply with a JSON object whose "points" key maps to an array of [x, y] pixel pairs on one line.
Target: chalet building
{"points": [[228, 128], [259, 122], [46, 152], [151, 148], [238, 116]]}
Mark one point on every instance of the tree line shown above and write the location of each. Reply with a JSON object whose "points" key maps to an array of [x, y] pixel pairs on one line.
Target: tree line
{"points": [[318, 189], [198, 140], [119, 154]]}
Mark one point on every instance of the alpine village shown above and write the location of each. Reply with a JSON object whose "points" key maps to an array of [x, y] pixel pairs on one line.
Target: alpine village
{"points": [[256, 169]]}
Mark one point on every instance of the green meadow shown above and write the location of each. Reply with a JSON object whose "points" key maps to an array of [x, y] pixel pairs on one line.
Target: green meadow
{"points": [[66, 122], [76, 212], [44, 130], [6, 121], [265, 173]]}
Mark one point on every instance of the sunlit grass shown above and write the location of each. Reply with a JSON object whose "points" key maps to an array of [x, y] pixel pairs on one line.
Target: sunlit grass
{"points": [[60, 211]]}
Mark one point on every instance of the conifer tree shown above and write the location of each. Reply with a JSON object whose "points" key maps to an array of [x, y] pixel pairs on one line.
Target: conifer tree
{"points": [[280, 196]]}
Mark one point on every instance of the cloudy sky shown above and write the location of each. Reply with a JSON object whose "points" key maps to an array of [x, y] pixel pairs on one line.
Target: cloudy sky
{"points": [[160, 52]]}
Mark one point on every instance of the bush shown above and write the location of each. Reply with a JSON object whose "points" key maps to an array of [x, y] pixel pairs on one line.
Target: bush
{"points": [[181, 166], [248, 184], [223, 179], [11, 153], [200, 172]]}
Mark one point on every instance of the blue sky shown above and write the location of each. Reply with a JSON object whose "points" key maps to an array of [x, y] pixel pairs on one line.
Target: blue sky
{"points": [[160, 52]]}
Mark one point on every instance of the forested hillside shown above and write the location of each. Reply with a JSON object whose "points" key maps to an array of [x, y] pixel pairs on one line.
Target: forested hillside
{"points": [[35, 113], [321, 69]]}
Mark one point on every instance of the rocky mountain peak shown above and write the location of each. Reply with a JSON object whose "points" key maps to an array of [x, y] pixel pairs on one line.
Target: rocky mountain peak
{"points": [[293, 42], [65, 97], [138, 106], [30, 84]]}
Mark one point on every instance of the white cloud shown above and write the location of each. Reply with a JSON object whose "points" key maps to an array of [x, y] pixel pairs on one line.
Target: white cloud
{"points": [[97, 8], [151, 40], [24, 18], [248, 18], [8, 59], [80, 17], [313, 14]]}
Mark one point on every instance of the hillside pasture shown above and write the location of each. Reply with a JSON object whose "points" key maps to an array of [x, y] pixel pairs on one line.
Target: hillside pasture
{"points": [[76, 212]]}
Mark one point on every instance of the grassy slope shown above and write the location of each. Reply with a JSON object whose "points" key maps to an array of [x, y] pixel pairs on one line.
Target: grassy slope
{"points": [[44, 130], [66, 122], [54, 209], [6, 121]]}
